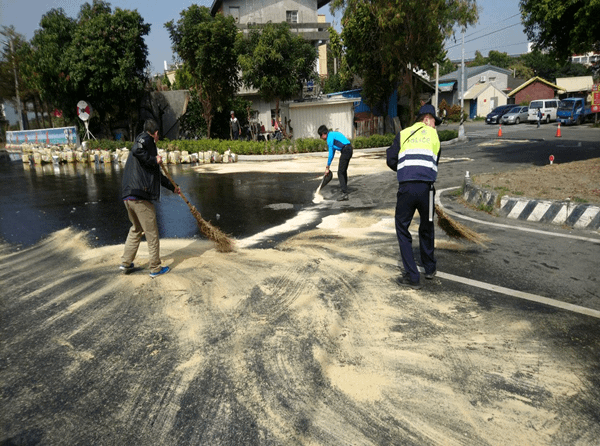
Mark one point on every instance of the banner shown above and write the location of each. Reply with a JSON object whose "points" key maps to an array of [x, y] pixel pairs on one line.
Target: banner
{"points": [[44, 137]]}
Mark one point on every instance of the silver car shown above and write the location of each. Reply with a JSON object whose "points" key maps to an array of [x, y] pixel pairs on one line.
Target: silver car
{"points": [[515, 115]]}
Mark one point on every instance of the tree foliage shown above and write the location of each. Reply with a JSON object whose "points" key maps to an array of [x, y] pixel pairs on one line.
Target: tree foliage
{"points": [[50, 68], [275, 61], [562, 27], [206, 45], [385, 40], [99, 57]]}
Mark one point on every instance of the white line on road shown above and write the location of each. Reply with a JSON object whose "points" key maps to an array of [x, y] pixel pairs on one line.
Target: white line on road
{"points": [[521, 295], [510, 292]]}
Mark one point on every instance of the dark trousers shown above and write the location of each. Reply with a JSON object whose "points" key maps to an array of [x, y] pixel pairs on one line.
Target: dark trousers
{"points": [[345, 156], [415, 196]]}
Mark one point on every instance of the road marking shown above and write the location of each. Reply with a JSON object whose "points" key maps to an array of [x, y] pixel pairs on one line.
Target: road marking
{"points": [[521, 295], [507, 291], [501, 225]]}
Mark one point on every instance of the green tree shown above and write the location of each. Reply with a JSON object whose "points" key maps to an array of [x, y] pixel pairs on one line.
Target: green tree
{"points": [[498, 59], [479, 60], [206, 45], [49, 68], [564, 27], [276, 62], [447, 66], [106, 63], [386, 40], [339, 77]]}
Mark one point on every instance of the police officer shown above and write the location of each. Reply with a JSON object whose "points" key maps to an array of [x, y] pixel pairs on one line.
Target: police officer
{"points": [[414, 155]]}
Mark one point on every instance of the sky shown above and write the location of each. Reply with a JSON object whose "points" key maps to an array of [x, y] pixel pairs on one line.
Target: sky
{"points": [[25, 15], [499, 26], [499, 29]]}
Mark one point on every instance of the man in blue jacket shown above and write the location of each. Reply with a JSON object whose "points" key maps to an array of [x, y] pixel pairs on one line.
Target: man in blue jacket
{"points": [[337, 141], [142, 179], [414, 155]]}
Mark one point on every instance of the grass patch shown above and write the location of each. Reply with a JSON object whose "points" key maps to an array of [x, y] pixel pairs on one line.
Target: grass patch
{"points": [[457, 192], [485, 208], [579, 200], [502, 189], [518, 192]]}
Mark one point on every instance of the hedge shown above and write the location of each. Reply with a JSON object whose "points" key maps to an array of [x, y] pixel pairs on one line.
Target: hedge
{"points": [[302, 145]]}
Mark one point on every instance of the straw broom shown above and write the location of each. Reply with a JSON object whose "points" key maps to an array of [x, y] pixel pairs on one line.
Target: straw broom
{"points": [[457, 230], [222, 242]]}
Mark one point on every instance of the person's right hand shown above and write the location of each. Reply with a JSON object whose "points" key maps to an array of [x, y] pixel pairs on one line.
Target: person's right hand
{"points": [[159, 159]]}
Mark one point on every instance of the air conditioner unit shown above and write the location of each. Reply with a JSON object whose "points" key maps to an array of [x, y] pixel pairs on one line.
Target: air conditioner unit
{"points": [[482, 79]]}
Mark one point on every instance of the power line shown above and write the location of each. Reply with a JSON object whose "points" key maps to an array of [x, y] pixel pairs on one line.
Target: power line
{"points": [[483, 30], [485, 35]]}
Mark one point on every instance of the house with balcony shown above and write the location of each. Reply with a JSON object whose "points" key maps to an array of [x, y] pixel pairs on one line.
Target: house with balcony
{"points": [[303, 18]]}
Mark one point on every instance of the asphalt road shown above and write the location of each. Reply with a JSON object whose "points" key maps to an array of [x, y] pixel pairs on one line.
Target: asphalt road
{"points": [[311, 342]]}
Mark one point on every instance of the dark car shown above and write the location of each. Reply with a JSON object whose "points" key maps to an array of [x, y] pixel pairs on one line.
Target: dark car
{"points": [[496, 114]]}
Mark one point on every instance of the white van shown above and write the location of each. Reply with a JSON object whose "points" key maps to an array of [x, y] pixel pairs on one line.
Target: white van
{"points": [[549, 108]]}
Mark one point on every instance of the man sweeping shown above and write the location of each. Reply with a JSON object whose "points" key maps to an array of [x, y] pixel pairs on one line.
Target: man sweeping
{"points": [[142, 180], [336, 141], [414, 155]]}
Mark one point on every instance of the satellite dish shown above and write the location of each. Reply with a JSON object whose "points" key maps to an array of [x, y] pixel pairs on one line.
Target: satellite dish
{"points": [[84, 110]]}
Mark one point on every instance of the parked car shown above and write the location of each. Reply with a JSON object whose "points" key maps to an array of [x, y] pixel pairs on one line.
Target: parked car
{"points": [[496, 114], [516, 115], [549, 107]]}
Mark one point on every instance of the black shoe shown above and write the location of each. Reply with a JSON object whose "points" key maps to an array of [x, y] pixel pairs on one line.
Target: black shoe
{"points": [[430, 276], [343, 197], [405, 281], [127, 269]]}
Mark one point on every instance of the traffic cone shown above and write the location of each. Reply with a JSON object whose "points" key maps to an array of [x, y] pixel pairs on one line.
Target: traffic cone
{"points": [[558, 135], [500, 130]]}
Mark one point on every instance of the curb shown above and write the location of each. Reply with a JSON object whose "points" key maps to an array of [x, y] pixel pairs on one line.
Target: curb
{"points": [[557, 212]]}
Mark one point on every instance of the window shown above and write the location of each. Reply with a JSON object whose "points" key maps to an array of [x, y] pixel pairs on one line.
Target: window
{"points": [[291, 16]]}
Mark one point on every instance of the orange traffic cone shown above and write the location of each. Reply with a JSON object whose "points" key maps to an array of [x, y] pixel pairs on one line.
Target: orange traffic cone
{"points": [[500, 131], [558, 135]]}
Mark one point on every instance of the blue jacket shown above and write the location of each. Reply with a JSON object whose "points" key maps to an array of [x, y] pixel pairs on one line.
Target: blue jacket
{"points": [[335, 141]]}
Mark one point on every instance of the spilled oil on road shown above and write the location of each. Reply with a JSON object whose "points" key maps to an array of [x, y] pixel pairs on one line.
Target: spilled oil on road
{"points": [[307, 343]]}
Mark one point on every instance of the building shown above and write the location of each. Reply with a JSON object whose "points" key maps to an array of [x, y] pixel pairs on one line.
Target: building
{"points": [[576, 87], [303, 19], [534, 88], [486, 87]]}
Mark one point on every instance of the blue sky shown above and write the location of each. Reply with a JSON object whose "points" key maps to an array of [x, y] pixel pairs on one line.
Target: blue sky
{"points": [[499, 27]]}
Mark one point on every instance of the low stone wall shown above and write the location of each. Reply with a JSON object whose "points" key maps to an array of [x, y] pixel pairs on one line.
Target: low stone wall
{"points": [[557, 212], [68, 154]]}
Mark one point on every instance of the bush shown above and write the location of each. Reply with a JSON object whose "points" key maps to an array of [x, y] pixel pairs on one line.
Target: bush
{"points": [[272, 147]]}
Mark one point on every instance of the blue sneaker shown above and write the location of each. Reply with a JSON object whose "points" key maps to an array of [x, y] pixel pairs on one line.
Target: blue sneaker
{"points": [[126, 269], [163, 270]]}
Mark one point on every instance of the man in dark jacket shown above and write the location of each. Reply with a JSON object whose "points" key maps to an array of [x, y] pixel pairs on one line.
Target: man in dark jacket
{"points": [[142, 179]]}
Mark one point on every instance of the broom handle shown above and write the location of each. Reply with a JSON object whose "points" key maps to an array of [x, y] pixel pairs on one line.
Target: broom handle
{"points": [[176, 186]]}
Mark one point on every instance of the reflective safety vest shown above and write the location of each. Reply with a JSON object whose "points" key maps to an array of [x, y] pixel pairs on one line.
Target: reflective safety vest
{"points": [[419, 154]]}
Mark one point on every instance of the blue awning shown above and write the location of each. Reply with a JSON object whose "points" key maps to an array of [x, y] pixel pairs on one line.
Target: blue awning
{"points": [[446, 86]]}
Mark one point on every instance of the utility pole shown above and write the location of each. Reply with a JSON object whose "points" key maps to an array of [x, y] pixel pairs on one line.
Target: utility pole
{"points": [[16, 85], [437, 84], [461, 127]]}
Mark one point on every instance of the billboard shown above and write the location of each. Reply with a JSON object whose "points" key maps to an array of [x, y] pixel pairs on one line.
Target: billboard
{"points": [[596, 98], [45, 137]]}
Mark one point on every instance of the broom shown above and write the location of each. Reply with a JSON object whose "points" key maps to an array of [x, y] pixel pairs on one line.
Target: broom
{"points": [[222, 242], [457, 230]]}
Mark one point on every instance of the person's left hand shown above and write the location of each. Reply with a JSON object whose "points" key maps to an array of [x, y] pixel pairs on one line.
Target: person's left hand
{"points": [[177, 190], [159, 159]]}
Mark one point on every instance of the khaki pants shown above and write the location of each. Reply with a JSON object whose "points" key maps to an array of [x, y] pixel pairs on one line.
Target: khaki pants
{"points": [[143, 219]]}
